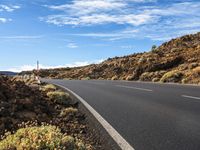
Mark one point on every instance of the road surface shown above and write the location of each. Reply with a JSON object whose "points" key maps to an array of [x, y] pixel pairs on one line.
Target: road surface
{"points": [[148, 116]]}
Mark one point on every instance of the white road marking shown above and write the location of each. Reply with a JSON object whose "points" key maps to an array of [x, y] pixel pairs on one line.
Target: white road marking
{"points": [[192, 97], [122, 143], [136, 88]]}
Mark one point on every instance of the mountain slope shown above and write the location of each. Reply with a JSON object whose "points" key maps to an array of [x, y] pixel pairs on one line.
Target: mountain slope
{"points": [[175, 61], [8, 73]]}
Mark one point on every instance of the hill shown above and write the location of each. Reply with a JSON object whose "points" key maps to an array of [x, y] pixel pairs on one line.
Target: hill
{"points": [[175, 61], [8, 73]]}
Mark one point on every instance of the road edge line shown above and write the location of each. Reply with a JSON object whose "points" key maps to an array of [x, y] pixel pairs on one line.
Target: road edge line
{"points": [[191, 97], [121, 142]]}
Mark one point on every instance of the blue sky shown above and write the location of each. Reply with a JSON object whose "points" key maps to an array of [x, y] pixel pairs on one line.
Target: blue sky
{"points": [[78, 32]]}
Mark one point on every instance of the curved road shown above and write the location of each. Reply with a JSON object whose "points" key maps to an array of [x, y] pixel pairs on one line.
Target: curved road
{"points": [[148, 116]]}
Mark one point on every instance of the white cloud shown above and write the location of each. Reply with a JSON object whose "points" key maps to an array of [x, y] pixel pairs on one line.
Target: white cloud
{"points": [[82, 7], [6, 8], [152, 20], [177, 9], [95, 12], [4, 20], [72, 45], [9, 8], [128, 33], [32, 67], [141, 1], [96, 19], [127, 46], [23, 37]]}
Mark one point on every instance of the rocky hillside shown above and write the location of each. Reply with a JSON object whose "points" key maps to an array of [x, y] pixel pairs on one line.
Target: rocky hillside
{"points": [[175, 61]]}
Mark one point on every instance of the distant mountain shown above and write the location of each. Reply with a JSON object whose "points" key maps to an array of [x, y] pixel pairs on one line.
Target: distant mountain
{"points": [[8, 73], [175, 61]]}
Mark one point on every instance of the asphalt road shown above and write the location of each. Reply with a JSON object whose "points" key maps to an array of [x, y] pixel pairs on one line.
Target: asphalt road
{"points": [[149, 116]]}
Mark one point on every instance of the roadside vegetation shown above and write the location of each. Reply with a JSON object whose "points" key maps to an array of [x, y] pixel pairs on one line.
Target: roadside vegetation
{"points": [[42, 137], [41, 116]]}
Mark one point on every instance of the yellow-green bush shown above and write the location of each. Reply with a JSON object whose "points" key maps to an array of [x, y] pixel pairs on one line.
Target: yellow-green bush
{"points": [[86, 78], [65, 112], [49, 87], [114, 78], [147, 76], [172, 76], [67, 79], [130, 77], [59, 97], [40, 138]]}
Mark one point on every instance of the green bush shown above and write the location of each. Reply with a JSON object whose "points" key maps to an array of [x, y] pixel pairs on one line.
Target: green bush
{"points": [[154, 48], [40, 138], [59, 97]]}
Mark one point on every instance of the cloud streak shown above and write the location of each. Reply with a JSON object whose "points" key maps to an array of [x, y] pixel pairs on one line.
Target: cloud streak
{"points": [[21, 37], [9, 8]]}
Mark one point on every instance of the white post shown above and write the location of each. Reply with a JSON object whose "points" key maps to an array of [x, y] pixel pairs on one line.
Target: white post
{"points": [[38, 69]]}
